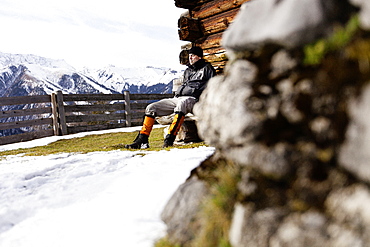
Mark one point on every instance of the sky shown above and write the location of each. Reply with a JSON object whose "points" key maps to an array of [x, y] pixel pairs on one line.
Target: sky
{"points": [[93, 34], [97, 199]]}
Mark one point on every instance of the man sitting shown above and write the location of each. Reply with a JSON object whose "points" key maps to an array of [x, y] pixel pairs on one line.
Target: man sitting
{"points": [[194, 81]]}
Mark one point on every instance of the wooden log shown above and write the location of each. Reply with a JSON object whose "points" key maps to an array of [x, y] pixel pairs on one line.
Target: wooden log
{"points": [[188, 23], [211, 41], [189, 4], [218, 57], [215, 7], [188, 35], [219, 22]]}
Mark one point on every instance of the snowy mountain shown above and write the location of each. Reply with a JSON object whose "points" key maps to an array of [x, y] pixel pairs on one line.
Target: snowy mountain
{"points": [[33, 75], [22, 75]]}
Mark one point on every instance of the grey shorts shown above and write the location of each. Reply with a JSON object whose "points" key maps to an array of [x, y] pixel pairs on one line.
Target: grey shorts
{"points": [[168, 106]]}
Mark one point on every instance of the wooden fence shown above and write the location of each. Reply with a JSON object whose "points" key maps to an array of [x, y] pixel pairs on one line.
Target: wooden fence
{"points": [[62, 114]]}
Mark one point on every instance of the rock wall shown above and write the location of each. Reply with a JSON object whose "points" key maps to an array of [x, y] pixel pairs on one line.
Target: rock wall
{"points": [[290, 114]]}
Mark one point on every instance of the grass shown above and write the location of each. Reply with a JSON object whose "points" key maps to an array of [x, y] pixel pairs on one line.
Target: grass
{"points": [[314, 53], [213, 220], [216, 212], [94, 143]]}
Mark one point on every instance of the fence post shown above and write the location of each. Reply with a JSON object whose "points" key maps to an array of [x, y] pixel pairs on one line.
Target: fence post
{"points": [[62, 115], [54, 108], [127, 108]]}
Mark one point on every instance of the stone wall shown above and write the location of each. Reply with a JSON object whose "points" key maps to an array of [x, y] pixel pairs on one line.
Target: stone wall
{"points": [[291, 115]]}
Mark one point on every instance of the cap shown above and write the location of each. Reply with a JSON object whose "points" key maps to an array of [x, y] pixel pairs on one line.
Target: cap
{"points": [[196, 51]]}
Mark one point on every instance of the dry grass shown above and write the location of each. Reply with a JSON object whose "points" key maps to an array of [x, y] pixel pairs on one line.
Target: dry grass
{"points": [[93, 143]]}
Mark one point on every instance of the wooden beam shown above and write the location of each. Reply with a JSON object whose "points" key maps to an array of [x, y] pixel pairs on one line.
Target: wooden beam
{"points": [[189, 29], [189, 4], [188, 23], [211, 41], [188, 35], [219, 22], [215, 7]]}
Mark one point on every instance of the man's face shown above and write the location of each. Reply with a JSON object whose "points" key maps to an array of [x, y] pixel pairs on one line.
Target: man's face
{"points": [[193, 58]]}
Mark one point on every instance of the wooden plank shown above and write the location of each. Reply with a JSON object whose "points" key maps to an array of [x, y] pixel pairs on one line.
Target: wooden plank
{"points": [[137, 106], [218, 23], [62, 115], [26, 123], [137, 115], [215, 7], [84, 128], [54, 106], [127, 108], [137, 122], [25, 112], [149, 96], [26, 136], [94, 117], [98, 107], [92, 97], [22, 100]]}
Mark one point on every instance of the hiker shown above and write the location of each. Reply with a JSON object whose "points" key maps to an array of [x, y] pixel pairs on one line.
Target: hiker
{"points": [[194, 82]]}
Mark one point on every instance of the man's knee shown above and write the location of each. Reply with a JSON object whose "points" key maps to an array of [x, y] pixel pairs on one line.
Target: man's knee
{"points": [[185, 105], [150, 110]]}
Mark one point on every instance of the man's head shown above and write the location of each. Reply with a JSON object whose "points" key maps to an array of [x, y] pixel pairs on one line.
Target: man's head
{"points": [[195, 54]]}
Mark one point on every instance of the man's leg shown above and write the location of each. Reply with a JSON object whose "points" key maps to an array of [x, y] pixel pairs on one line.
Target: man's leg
{"points": [[183, 106], [142, 139], [178, 119], [159, 108]]}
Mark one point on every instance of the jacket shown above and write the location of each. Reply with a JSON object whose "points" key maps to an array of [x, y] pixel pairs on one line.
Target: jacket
{"points": [[195, 79]]}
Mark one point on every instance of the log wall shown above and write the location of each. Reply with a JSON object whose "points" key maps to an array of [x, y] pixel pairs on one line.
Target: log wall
{"points": [[203, 26]]}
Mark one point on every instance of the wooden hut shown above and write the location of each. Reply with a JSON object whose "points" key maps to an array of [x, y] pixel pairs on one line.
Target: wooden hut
{"points": [[203, 25]]}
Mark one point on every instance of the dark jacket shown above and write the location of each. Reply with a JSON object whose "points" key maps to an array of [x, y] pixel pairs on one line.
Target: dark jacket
{"points": [[195, 79]]}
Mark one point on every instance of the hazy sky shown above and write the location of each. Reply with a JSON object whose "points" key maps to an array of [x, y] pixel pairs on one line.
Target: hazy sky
{"points": [[93, 33]]}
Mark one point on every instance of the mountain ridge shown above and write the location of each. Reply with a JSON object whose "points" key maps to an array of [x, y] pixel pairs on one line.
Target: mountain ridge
{"points": [[22, 75]]}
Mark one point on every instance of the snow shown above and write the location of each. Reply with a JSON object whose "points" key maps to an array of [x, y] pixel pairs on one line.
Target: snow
{"points": [[97, 199]]}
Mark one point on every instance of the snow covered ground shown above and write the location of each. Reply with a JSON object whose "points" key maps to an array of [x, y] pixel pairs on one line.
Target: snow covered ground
{"points": [[97, 199]]}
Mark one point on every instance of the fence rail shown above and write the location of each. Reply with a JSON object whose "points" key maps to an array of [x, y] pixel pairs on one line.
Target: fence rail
{"points": [[62, 114]]}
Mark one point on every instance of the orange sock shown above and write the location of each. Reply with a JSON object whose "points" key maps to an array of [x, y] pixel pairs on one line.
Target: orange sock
{"points": [[147, 125], [178, 119]]}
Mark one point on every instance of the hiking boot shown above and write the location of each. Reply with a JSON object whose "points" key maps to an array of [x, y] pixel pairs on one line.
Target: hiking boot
{"points": [[140, 142], [168, 141]]}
